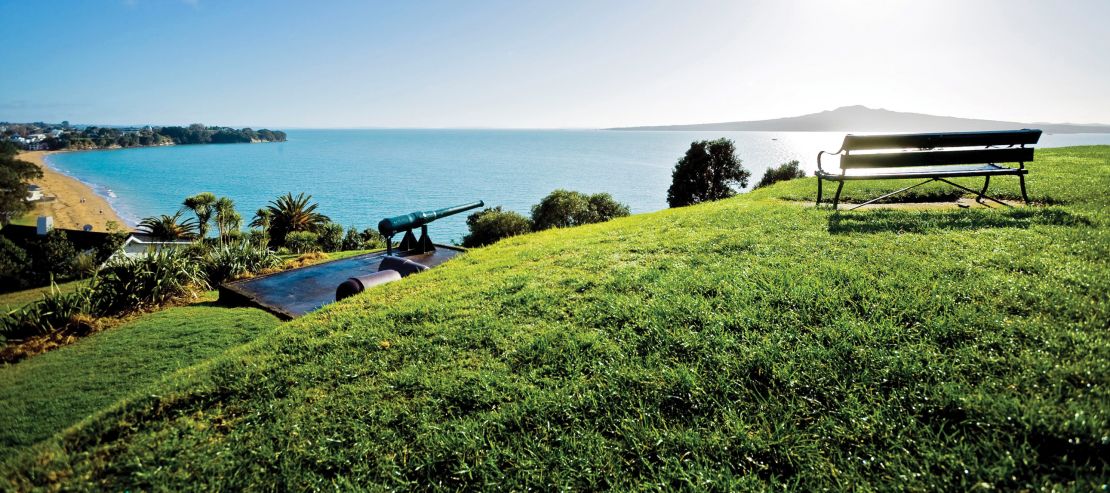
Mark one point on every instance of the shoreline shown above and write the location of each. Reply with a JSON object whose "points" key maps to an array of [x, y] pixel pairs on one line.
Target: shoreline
{"points": [[76, 203]]}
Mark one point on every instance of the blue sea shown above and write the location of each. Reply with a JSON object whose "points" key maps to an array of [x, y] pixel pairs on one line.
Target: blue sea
{"points": [[360, 176]]}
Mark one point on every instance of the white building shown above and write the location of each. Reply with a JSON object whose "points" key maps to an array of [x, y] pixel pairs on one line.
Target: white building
{"points": [[34, 193], [141, 243]]}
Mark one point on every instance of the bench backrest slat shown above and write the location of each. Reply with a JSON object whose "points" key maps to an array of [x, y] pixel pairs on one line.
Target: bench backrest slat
{"points": [[935, 158], [934, 140]]}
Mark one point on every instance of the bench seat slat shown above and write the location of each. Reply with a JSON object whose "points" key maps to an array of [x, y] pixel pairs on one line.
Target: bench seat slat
{"points": [[936, 158], [923, 172], [935, 140]]}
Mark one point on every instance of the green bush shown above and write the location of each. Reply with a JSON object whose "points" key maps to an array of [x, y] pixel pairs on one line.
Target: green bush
{"points": [[55, 311], [13, 265], [603, 208], [352, 239], [371, 239], [111, 245], [258, 237], [368, 239], [783, 172], [330, 237], [235, 260], [564, 208], [85, 264], [127, 283], [302, 241], [52, 257], [708, 171], [492, 224]]}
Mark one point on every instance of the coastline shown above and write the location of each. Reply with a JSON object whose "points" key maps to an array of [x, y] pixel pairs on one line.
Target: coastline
{"points": [[75, 203]]}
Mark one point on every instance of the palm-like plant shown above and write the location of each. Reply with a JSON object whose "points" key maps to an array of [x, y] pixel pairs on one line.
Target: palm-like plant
{"points": [[289, 214], [261, 220], [227, 220], [169, 228], [203, 205]]}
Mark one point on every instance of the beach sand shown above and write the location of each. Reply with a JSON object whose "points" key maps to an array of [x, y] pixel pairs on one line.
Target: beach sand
{"points": [[75, 204]]}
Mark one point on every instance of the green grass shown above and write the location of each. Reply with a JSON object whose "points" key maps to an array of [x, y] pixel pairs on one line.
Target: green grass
{"points": [[17, 299], [749, 343], [26, 220], [53, 391]]}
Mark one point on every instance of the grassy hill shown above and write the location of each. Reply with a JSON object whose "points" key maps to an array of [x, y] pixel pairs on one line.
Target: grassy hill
{"points": [[746, 343], [50, 392]]}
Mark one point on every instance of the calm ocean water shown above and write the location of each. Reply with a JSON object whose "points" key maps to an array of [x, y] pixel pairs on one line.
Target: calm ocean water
{"points": [[361, 176]]}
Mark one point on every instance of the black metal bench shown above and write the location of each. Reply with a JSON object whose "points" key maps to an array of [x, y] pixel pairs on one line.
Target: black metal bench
{"points": [[933, 156]]}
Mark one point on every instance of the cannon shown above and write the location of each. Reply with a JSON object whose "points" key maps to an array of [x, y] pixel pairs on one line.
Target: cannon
{"points": [[392, 225]]}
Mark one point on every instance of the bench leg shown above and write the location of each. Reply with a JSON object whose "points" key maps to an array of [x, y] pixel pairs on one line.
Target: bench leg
{"points": [[968, 190], [896, 192], [836, 200], [986, 183], [818, 191], [1023, 195]]}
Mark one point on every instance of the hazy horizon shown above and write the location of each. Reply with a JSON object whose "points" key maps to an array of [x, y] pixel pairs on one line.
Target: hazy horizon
{"points": [[568, 65]]}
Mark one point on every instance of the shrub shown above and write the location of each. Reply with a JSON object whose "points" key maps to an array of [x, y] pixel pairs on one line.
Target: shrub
{"points": [[603, 208], [257, 237], [236, 260], [564, 208], [782, 172], [85, 264], [110, 246], [53, 312], [492, 224], [560, 209], [124, 284], [708, 171], [127, 283], [367, 239], [372, 239], [302, 241], [330, 237], [352, 240], [13, 265], [52, 257]]}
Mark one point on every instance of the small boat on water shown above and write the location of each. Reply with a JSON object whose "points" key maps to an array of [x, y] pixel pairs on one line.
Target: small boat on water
{"points": [[111, 194]]}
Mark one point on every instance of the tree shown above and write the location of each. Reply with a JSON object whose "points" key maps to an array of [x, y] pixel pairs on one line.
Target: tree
{"points": [[290, 214], [708, 171], [331, 237], [169, 228], [783, 172], [565, 208], [303, 241], [560, 209], [352, 240], [15, 177], [14, 263], [261, 220], [492, 224], [227, 220], [604, 207], [203, 205], [52, 256]]}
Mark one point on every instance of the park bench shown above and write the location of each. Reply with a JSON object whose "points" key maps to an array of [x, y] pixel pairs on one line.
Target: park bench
{"points": [[932, 157]]}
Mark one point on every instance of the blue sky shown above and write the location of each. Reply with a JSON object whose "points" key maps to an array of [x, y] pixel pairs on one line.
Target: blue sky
{"points": [[546, 64]]}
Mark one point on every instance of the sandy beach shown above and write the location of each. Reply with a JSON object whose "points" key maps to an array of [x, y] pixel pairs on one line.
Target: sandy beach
{"points": [[75, 204]]}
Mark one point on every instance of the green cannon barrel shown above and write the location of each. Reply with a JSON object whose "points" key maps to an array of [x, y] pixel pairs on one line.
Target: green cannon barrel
{"points": [[391, 225]]}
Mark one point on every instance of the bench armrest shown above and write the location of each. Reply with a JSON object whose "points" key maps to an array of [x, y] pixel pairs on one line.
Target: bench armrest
{"points": [[819, 154]]}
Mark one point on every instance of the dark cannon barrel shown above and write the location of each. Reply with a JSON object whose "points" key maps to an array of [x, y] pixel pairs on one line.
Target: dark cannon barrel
{"points": [[391, 225]]}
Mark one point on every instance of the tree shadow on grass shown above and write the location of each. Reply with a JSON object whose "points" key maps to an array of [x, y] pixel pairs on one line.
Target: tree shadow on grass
{"points": [[902, 221]]}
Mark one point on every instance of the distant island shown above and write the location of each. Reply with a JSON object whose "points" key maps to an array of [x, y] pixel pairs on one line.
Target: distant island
{"points": [[41, 136], [864, 119]]}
